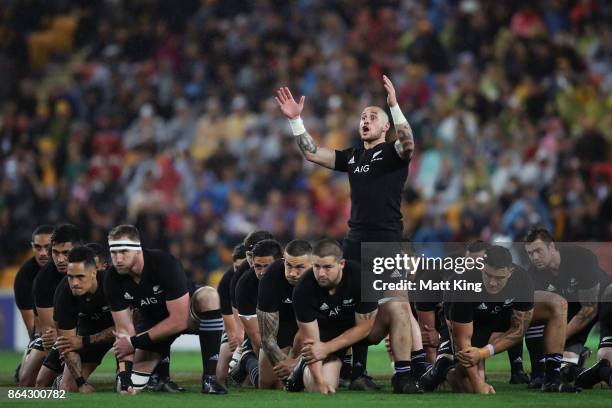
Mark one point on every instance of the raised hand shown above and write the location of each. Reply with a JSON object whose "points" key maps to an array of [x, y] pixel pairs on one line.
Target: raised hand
{"points": [[290, 108], [391, 98]]}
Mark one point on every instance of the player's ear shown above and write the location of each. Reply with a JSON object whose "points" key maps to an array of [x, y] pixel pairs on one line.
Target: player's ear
{"points": [[342, 262]]}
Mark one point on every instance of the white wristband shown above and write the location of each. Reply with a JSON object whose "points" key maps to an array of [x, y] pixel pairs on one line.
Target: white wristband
{"points": [[297, 126], [491, 349], [397, 115]]}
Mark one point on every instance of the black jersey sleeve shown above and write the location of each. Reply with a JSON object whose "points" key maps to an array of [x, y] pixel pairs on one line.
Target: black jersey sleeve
{"points": [[243, 268], [342, 159], [246, 294], [171, 277], [269, 295], [224, 292], [461, 312], [353, 269], [395, 159], [44, 289], [303, 295], [114, 292], [587, 267], [64, 307], [23, 285]]}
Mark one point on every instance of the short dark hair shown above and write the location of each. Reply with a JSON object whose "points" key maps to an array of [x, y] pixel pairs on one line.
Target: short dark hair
{"points": [[125, 230], [44, 229], [298, 247], [239, 252], [66, 233], [498, 257], [268, 247], [327, 247], [477, 246], [98, 250], [82, 254], [254, 237], [540, 233]]}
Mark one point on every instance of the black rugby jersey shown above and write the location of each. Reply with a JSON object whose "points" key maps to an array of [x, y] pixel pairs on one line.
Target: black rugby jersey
{"points": [[89, 314], [377, 177], [492, 309], [45, 284], [24, 284], [162, 279], [335, 313], [223, 289]]}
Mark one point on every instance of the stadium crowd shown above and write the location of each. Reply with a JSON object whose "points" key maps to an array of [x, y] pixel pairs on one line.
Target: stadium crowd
{"points": [[168, 121]]}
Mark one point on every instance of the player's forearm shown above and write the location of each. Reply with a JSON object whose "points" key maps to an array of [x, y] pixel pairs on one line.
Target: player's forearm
{"points": [[171, 325], [105, 336], [518, 326], [27, 315], [585, 315], [73, 362], [45, 318], [353, 335], [268, 328], [404, 145]]}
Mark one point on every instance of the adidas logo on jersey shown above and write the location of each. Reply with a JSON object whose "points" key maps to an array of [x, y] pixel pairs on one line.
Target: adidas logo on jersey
{"points": [[287, 300], [324, 307], [396, 274], [482, 306], [127, 296], [214, 358], [81, 314], [551, 288], [352, 161]]}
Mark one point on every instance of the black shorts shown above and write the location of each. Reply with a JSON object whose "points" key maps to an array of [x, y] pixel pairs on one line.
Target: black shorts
{"points": [[285, 335], [53, 361], [482, 333], [351, 245], [161, 347], [605, 324], [95, 353]]}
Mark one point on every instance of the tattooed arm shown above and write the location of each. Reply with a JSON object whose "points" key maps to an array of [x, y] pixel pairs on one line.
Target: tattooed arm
{"points": [[404, 145], [268, 329], [292, 110], [588, 310], [519, 322], [363, 326]]}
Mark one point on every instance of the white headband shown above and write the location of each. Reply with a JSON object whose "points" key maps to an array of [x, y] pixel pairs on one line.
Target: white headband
{"points": [[123, 245]]}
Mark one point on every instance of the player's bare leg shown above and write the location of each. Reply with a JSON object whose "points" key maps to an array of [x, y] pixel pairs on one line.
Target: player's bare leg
{"points": [[330, 372]]}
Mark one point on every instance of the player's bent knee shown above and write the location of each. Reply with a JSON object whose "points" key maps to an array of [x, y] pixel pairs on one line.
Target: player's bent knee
{"points": [[396, 310], [206, 298]]}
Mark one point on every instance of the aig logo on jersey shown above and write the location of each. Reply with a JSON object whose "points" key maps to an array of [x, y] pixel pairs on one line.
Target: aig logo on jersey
{"points": [[362, 169], [148, 301]]}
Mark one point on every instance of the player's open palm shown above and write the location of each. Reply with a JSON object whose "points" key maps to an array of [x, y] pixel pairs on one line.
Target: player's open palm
{"points": [[290, 108], [391, 98]]}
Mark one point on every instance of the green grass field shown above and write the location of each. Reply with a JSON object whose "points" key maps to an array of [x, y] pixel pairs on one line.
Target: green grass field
{"points": [[186, 370]]}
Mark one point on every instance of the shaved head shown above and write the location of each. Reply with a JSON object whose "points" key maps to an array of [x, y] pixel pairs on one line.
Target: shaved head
{"points": [[379, 111]]}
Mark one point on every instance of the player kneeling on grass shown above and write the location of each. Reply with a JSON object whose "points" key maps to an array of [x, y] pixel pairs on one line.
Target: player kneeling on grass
{"points": [[492, 324], [154, 283], [601, 371], [332, 316], [84, 321]]}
